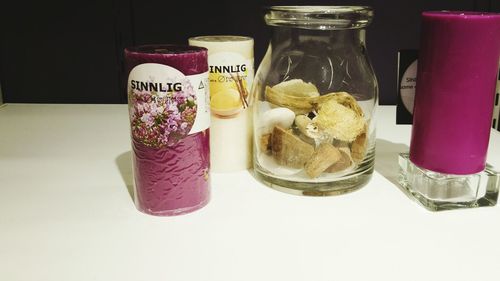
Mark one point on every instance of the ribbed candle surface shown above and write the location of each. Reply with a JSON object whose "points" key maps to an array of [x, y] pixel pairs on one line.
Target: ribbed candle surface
{"points": [[168, 95]]}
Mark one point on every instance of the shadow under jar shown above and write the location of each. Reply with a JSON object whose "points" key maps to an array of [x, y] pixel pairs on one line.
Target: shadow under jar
{"points": [[316, 93]]}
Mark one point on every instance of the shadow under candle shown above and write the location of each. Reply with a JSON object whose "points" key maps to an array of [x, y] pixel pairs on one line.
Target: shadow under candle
{"points": [[124, 164], [386, 159]]}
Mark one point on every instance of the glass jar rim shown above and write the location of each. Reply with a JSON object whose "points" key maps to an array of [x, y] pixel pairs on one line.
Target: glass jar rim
{"points": [[320, 17]]}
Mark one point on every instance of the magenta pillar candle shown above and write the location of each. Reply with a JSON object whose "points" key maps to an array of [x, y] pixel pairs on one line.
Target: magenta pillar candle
{"points": [[167, 90], [456, 78]]}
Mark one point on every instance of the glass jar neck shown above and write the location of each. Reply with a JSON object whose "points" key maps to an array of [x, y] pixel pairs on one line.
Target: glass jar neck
{"points": [[342, 37]]}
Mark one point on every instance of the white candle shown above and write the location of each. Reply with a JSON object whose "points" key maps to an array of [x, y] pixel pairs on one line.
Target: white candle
{"points": [[230, 60]]}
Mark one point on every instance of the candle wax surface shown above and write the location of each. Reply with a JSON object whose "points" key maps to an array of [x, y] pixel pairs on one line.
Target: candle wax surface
{"points": [[456, 78], [173, 179]]}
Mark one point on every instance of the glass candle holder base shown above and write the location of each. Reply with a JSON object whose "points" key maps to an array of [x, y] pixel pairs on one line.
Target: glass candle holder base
{"points": [[437, 191]]}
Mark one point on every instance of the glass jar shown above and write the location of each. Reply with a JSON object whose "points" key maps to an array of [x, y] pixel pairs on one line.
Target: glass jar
{"points": [[316, 94]]}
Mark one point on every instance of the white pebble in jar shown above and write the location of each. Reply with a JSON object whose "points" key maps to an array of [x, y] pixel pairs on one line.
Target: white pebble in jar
{"points": [[281, 116]]}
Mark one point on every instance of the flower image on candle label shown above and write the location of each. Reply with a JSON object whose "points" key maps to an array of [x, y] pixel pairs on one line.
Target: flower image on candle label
{"points": [[166, 105], [230, 77]]}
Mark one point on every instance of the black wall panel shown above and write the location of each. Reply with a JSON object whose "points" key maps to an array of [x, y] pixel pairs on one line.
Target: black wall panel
{"points": [[72, 51], [59, 52]]}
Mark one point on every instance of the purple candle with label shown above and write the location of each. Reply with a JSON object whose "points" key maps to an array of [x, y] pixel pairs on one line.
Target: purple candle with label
{"points": [[168, 99]]}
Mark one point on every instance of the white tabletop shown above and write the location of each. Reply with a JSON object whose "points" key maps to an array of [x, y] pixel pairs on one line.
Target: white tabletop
{"points": [[66, 214]]}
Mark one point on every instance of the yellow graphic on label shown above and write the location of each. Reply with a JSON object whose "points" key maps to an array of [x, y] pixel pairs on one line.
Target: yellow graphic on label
{"points": [[229, 93]]}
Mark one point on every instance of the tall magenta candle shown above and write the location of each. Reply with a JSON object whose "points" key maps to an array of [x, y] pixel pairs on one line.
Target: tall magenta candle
{"points": [[168, 99], [456, 78]]}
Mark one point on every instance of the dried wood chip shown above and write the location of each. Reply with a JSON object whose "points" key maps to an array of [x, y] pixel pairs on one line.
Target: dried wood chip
{"points": [[289, 150], [358, 148], [325, 156], [344, 162], [265, 143]]}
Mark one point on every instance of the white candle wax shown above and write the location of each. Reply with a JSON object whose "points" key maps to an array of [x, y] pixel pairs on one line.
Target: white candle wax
{"points": [[230, 60]]}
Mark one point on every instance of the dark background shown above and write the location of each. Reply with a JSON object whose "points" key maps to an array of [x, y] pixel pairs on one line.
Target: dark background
{"points": [[72, 51]]}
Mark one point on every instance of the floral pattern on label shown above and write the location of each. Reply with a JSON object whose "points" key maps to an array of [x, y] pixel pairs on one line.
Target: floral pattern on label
{"points": [[162, 120], [163, 105]]}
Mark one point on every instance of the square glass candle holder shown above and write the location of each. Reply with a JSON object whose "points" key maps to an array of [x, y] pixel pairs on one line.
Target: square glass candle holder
{"points": [[437, 191]]}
